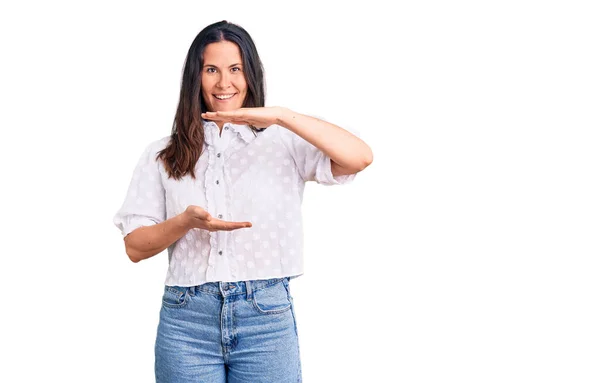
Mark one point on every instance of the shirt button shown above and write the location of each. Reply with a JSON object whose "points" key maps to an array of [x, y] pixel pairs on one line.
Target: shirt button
{"points": [[227, 128], [217, 182], [220, 216], [220, 252], [218, 154]]}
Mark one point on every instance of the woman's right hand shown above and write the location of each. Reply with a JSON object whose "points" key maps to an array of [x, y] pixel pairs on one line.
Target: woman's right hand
{"points": [[201, 219]]}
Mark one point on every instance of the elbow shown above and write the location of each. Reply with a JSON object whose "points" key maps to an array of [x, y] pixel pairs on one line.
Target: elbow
{"points": [[133, 255], [367, 160]]}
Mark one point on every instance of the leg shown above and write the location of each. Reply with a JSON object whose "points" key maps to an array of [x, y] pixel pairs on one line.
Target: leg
{"points": [[267, 347], [188, 341]]}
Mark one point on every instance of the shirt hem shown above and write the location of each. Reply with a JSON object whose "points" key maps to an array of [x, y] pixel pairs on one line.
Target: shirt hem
{"points": [[261, 278]]}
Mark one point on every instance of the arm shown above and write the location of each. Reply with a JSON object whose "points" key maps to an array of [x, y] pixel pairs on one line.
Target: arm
{"points": [[348, 153], [147, 241]]}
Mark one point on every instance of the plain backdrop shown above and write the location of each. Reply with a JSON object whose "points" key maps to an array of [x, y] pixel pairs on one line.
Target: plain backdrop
{"points": [[467, 252]]}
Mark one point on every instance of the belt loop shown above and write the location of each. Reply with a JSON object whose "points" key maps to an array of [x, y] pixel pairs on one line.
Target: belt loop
{"points": [[248, 291]]}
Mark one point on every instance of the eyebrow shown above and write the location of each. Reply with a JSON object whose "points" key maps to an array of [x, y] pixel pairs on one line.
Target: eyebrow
{"points": [[232, 65]]}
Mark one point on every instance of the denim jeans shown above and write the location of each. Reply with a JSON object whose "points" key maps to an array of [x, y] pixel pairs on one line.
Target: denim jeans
{"points": [[228, 332]]}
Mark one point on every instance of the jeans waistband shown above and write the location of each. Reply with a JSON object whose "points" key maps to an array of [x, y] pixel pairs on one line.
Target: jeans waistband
{"points": [[237, 288]]}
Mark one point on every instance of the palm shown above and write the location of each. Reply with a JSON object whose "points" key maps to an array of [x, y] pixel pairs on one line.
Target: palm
{"points": [[200, 219]]}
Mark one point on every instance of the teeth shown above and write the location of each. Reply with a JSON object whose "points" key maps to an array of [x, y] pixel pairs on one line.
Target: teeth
{"points": [[224, 97]]}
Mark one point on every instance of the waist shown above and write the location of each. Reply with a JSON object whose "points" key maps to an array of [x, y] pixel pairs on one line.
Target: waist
{"points": [[237, 288]]}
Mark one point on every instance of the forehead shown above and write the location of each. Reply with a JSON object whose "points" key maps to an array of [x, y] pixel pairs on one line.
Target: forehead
{"points": [[223, 53]]}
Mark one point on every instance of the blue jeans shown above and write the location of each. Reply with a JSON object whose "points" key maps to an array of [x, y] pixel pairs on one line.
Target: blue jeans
{"points": [[228, 332]]}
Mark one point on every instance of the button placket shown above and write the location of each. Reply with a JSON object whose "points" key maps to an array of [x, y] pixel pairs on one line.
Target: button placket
{"points": [[219, 191]]}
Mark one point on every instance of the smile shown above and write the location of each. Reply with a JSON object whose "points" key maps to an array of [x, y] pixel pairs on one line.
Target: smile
{"points": [[223, 96]]}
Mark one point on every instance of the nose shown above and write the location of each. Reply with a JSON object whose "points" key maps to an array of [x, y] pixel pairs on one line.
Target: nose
{"points": [[224, 81]]}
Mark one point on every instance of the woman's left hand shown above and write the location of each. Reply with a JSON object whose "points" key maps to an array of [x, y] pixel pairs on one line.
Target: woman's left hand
{"points": [[258, 117]]}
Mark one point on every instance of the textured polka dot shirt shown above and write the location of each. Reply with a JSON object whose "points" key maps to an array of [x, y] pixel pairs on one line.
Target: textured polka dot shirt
{"points": [[240, 176]]}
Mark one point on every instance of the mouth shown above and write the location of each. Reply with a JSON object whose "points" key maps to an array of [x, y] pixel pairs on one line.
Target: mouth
{"points": [[224, 97]]}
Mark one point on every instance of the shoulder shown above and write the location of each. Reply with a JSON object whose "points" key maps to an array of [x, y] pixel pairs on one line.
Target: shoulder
{"points": [[157, 145], [152, 149], [160, 144]]}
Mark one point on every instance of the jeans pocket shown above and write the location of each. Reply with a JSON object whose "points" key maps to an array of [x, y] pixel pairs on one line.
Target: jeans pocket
{"points": [[272, 300], [175, 296]]}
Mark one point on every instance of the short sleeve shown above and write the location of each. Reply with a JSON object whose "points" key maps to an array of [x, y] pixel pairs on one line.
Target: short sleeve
{"points": [[144, 203], [312, 163]]}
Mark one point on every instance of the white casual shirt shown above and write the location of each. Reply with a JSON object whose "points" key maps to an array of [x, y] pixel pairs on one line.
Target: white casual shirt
{"points": [[240, 176]]}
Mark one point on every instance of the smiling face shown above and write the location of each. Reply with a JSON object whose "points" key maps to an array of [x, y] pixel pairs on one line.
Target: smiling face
{"points": [[224, 86]]}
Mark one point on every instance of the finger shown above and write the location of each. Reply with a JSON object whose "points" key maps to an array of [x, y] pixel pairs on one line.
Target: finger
{"points": [[230, 113], [236, 121], [212, 116], [217, 224], [229, 226]]}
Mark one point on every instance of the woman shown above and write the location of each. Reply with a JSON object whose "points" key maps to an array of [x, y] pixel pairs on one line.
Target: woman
{"points": [[223, 193]]}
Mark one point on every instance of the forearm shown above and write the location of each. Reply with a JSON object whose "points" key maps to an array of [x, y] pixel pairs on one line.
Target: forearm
{"points": [[343, 147], [147, 241]]}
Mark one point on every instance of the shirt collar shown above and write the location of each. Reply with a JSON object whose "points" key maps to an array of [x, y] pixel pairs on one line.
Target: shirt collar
{"points": [[243, 131]]}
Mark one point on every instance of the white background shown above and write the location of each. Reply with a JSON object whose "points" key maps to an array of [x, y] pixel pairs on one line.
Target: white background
{"points": [[467, 252]]}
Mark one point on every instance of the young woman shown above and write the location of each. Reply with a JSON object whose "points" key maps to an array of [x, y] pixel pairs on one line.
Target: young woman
{"points": [[223, 194]]}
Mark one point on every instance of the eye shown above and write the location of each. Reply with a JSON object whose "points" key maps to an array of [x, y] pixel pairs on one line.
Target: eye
{"points": [[236, 69], [211, 70]]}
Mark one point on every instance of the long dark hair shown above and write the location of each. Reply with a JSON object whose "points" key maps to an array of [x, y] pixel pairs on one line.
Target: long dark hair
{"points": [[187, 135]]}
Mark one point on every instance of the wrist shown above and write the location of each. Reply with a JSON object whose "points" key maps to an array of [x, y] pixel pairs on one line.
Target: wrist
{"points": [[284, 116], [183, 220]]}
